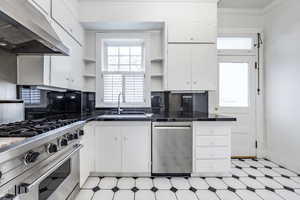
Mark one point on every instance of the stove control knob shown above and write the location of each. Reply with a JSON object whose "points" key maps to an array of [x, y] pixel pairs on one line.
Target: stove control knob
{"points": [[52, 148], [31, 157], [75, 136], [70, 137], [81, 132], [63, 142]]}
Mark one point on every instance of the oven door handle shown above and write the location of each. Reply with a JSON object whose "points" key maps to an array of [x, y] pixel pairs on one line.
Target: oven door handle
{"points": [[25, 187]]}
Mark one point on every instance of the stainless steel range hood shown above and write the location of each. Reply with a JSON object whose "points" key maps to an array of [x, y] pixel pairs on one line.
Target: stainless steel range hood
{"points": [[24, 30]]}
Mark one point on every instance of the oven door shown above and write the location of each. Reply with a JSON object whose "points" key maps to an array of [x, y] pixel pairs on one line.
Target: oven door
{"points": [[55, 181]]}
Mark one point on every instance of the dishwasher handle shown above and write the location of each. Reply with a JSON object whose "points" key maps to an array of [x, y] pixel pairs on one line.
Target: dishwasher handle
{"points": [[173, 127]]}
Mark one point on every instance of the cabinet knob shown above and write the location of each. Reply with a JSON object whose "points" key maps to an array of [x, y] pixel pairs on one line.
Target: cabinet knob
{"points": [[188, 82], [116, 139], [195, 82], [192, 38]]}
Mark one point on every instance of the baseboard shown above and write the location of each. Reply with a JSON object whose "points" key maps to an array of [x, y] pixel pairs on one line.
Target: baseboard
{"points": [[143, 174]]}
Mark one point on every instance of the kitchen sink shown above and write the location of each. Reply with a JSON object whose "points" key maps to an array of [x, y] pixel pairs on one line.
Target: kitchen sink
{"points": [[125, 116]]}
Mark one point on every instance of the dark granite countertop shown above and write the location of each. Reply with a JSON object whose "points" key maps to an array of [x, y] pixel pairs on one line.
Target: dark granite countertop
{"points": [[164, 117]]}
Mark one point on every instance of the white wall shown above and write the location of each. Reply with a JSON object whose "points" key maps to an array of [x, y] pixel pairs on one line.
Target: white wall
{"points": [[244, 21], [282, 79]]}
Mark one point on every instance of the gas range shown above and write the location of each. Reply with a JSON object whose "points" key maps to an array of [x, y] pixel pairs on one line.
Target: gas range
{"points": [[42, 148], [30, 128]]}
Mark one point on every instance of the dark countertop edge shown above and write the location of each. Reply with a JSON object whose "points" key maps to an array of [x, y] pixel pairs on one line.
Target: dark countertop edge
{"points": [[12, 101], [153, 119]]}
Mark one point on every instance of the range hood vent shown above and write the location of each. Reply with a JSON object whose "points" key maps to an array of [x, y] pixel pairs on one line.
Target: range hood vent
{"points": [[24, 30]]}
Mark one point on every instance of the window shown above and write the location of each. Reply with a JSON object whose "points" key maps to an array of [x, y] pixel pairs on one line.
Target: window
{"points": [[123, 72], [235, 43], [31, 96], [233, 84]]}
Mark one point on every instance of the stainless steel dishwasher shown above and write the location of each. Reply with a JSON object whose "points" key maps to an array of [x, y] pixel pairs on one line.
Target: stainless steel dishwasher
{"points": [[172, 144]]}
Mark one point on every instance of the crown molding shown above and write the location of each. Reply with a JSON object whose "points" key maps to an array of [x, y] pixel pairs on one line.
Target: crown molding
{"points": [[271, 6]]}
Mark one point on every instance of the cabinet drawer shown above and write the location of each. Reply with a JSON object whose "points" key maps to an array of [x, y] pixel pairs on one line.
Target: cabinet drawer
{"points": [[212, 141], [211, 131], [212, 152], [222, 165]]}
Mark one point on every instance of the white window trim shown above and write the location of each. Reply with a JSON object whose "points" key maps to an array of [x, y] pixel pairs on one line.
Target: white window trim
{"points": [[238, 52], [100, 62]]}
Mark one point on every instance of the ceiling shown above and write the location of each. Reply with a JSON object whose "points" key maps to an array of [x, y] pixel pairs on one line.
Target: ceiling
{"points": [[245, 4]]}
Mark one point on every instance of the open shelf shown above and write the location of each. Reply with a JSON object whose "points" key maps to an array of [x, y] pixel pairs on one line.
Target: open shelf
{"points": [[157, 59], [89, 75], [89, 60], [157, 75]]}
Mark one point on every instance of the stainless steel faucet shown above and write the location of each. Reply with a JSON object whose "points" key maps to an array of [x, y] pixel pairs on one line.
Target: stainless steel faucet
{"points": [[119, 103]]}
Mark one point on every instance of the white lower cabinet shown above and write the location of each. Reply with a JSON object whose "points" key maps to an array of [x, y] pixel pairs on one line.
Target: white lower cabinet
{"points": [[211, 147], [108, 149], [123, 147], [87, 152]]}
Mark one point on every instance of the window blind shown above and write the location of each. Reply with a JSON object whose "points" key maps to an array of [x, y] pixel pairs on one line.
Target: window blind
{"points": [[123, 72]]}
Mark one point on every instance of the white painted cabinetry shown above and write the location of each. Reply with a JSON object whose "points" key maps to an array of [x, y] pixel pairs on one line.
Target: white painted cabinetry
{"points": [[87, 152], [199, 31], [54, 71], [192, 67], [211, 147], [63, 14], [43, 5], [123, 147], [200, 28]]}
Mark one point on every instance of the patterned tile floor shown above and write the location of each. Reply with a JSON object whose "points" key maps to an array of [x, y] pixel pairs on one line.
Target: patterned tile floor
{"points": [[249, 180]]}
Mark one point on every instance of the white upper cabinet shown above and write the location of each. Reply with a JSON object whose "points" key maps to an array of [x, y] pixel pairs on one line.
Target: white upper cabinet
{"points": [[201, 31], [33, 70], [179, 67], [192, 67], [56, 71], [199, 28], [61, 65], [43, 5], [204, 67], [63, 14]]}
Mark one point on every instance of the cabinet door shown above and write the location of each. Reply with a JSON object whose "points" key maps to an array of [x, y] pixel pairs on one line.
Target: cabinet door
{"points": [[179, 67], [108, 145], [77, 65], [62, 13], [42, 5], [60, 65], [197, 31], [87, 154], [204, 67], [136, 148]]}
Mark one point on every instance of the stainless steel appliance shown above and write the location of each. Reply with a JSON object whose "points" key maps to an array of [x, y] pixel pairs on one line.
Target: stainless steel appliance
{"points": [[23, 29], [172, 148], [44, 165]]}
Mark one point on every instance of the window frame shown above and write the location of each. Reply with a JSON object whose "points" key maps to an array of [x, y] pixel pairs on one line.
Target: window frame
{"points": [[238, 52], [101, 61]]}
